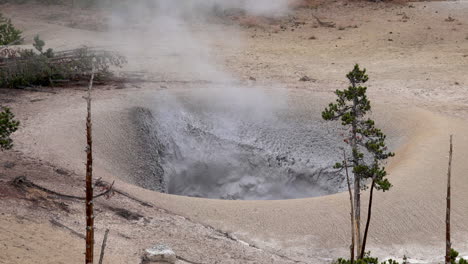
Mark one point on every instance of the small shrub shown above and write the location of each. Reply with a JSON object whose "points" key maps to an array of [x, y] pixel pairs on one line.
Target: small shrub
{"points": [[405, 260], [39, 46], [9, 35], [366, 260], [38, 43], [453, 257]]}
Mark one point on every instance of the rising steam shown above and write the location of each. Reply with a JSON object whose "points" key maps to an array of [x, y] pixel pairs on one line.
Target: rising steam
{"points": [[230, 141]]}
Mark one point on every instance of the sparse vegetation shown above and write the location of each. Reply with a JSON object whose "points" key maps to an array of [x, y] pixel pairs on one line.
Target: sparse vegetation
{"points": [[9, 35], [453, 258], [367, 259], [38, 67]]}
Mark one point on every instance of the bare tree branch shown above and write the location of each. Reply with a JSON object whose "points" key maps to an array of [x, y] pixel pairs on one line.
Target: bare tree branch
{"points": [[22, 180], [448, 244], [57, 223]]}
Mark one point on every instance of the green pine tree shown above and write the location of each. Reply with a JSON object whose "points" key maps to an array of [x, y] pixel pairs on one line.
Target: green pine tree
{"points": [[9, 35], [8, 125], [366, 141]]}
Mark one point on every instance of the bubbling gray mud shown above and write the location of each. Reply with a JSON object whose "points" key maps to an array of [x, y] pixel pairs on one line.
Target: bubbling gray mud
{"points": [[204, 145]]}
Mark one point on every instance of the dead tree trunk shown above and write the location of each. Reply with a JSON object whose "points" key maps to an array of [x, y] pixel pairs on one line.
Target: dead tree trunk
{"points": [[89, 181], [369, 213], [448, 244], [351, 247], [103, 246]]}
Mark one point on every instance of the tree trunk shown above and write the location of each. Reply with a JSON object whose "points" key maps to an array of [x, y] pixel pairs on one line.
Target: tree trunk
{"points": [[357, 178], [357, 209], [351, 248], [369, 213], [448, 244], [89, 182]]}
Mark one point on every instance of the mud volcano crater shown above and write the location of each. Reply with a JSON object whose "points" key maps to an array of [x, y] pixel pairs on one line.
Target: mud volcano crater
{"points": [[243, 144], [246, 145]]}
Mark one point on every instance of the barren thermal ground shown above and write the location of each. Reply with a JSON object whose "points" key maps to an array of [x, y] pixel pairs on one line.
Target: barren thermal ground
{"points": [[213, 136]]}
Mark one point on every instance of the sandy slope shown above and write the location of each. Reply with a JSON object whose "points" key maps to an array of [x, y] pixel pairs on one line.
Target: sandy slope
{"points": [[415, 72]]}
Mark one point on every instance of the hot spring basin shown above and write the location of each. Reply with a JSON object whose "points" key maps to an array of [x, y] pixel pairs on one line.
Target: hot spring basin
{"points": [[230, 143]]}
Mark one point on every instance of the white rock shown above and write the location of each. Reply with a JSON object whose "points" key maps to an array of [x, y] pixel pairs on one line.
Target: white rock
{"points": [[160, 254]]}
